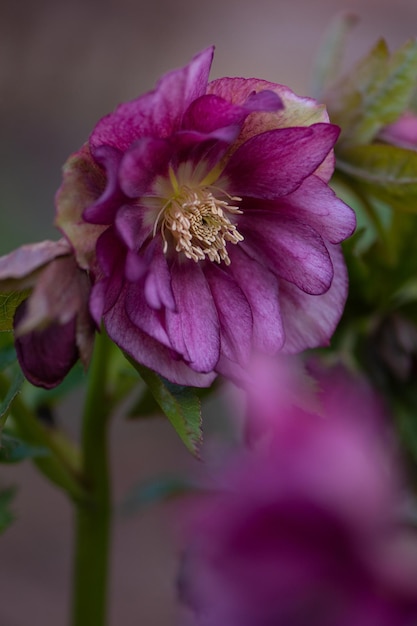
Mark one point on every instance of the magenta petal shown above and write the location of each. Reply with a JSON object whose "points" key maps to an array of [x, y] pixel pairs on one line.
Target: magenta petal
{"points": [[149, 352], [291, 249], [260, 287], [142, 315], [158, 290], [273, 164], [316, 204], [147, 158], [103, 211], [194, 327], [158, 113], [46, 356], [231, 305], [129, 225], [309, 321]]}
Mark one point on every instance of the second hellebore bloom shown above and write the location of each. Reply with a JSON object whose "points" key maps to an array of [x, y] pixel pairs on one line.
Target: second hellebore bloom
{"points": [[203, 213]]}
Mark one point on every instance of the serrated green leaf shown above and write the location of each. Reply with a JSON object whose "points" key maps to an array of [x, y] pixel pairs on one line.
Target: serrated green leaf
{"points": [[8, 305], [6, 515], [387, 172], [12, 392], [14, 450], [180, 404], [374, 94]]}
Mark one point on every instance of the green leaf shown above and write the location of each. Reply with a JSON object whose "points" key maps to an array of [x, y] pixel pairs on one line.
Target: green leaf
{"points": [[330, 55], [154, 491], [6, 516], [180, 404], [14, 450], [375, 93], [387, 172], [12, 392], [8, 305]]}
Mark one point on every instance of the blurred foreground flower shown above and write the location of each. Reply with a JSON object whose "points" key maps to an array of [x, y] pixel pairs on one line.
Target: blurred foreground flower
{"points": [[52, 323], [304, 530], [203, 214]]}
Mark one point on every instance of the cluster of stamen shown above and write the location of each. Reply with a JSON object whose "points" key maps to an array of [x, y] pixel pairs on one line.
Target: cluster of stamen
{"points": [[198, 223]]}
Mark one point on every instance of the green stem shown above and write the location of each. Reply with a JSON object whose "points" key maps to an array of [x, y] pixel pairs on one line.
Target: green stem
{"points": [[93, 516]]}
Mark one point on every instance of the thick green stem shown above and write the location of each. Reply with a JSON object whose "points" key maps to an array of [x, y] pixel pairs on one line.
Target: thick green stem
{"points": [[93, 517]]}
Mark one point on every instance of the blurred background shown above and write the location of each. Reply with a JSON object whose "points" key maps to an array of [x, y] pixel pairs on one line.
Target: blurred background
{"points": [[63, 65]]}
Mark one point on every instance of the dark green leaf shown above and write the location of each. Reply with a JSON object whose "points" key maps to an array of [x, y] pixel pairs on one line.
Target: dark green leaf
{"points": [[6, 515], [7, 356], [8, 304], [14, 450], [180, 404]]}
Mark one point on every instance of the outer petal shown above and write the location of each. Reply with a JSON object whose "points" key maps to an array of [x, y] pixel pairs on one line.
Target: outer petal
{"points": [[290, 249], [46, 356], [231, 305], [195, 324], [104, 209], [316, 204], [157, 113], [149, 352], [260, 287], [83, 184], [297, 111], [17, 268], [310, 321], [275, 163]]}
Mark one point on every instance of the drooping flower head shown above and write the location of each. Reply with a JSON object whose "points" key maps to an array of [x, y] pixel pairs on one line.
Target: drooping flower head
{"points": [[203, 214], [52, 324], [305, 527]]}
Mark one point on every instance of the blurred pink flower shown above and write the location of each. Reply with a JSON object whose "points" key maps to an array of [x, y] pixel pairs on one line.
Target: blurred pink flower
{"points": [[53, 327], [203, 214], [304, 529], [403, 132]]}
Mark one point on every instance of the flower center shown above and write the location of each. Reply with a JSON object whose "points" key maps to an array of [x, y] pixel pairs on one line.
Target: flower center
{"points": [[198, 223]]}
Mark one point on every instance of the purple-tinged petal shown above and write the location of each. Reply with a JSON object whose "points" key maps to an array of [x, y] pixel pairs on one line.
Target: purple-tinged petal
{"points": [[402, 133], [158, 113], [146, 159], [275, 163], [231, 305], [261, 289], [211, 112], [203, 150], [149, 352], [46, 356], [195, 323], [17, 267], [316, 204], [135, 267], [158, 289], [58, 295], [148, 320], [83, 183], [104, 209], [308, 321], [129, 225], [290, 249]]}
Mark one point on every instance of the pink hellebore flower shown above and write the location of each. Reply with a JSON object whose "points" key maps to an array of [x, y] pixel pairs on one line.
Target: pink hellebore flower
{"points": [[304, 529], [203, 212], [402, 133], [53, 327]]}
